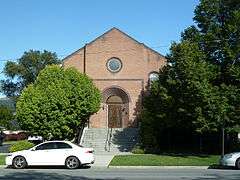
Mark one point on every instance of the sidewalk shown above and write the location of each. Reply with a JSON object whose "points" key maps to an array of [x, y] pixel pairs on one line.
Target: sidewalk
{"points": [[4, 148], [102, 160]]}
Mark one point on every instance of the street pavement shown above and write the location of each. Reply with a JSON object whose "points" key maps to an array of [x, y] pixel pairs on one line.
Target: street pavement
{"points": [[95, 173]]}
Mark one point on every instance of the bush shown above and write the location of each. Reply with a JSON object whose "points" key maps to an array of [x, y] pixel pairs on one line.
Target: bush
{"points": [[138, 150], [21, 145]]}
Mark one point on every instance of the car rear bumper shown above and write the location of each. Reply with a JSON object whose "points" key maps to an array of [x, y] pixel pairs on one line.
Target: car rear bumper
{"points": [[89, 160]]}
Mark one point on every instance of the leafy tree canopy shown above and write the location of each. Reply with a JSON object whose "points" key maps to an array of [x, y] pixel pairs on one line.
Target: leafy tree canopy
{"points": [[6, 117], [57, 103], [25, 70], [199, 89]]}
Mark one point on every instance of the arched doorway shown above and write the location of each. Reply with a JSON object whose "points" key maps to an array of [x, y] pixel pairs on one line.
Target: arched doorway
{"points": [[117, 101], [115, 106]]}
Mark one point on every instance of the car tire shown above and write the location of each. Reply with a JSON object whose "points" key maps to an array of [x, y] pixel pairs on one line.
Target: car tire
{"points": [[237, 164], [72, 162], [19, 162]]}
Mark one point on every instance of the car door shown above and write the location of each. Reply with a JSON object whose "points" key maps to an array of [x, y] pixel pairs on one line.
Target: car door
{"points": [[44, 154], [62, 151]]}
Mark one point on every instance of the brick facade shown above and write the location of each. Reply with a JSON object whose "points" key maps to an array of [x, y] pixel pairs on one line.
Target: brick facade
{"points": [[138, 61]]}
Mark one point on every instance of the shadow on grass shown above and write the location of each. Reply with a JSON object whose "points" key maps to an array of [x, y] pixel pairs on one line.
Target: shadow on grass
{"points": [[183, 154]]}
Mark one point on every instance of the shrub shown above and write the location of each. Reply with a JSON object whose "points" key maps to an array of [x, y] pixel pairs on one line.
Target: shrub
{"points": [[21, 145], [138, 150]]}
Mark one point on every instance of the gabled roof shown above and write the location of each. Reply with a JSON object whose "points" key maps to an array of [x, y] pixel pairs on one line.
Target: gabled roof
{"points": [[114, 28]]}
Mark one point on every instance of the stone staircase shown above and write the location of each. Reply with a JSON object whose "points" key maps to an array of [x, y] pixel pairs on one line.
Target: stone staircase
{"points": [[110, 141]]}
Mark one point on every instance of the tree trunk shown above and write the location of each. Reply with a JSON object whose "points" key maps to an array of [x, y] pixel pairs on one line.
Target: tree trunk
{"points": [[200, 143], [80, 132]]}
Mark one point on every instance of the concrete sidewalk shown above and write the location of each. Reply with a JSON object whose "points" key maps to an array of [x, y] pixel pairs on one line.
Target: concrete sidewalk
{"points": [[102, 160]]}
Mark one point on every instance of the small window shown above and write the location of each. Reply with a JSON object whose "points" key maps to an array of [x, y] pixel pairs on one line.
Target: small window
{"points": [[46, 146], [62, 145], [153, 77]]}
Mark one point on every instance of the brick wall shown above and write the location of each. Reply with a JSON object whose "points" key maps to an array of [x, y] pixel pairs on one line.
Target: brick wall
{"points": [[137, 62]]}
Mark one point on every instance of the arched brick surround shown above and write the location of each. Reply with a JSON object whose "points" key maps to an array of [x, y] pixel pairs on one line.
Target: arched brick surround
{"points": [[118, 91]]}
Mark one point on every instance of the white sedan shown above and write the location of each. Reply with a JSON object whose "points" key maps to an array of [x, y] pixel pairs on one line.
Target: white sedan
{"points": [[52, 153], [232, 159]]}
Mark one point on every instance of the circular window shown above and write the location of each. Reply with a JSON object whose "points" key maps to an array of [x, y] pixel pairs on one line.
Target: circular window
{"points": [[114, 65], [153, 77]]}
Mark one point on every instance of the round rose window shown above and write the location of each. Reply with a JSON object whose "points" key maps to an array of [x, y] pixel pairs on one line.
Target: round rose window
{"points": [[114, 65]]}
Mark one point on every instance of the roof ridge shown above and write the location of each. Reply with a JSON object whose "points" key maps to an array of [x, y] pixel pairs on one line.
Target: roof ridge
{"points": [[113, 28]]}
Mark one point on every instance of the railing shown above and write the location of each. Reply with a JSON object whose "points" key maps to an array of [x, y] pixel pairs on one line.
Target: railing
{"points": [[108, 139]]}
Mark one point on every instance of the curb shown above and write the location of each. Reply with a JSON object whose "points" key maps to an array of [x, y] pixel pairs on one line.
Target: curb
{"points": [[158, 167]]}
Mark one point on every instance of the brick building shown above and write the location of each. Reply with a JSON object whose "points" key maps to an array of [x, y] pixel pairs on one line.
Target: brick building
{"points": [[121, 68]]}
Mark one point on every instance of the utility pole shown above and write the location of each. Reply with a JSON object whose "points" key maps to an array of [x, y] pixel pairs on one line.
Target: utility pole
{"points": [[223, 140], [222, 27]]}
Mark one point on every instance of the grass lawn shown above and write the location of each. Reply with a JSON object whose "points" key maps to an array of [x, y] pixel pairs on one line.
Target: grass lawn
{"points": [[164, 160], [2, 159], [9, 142]]}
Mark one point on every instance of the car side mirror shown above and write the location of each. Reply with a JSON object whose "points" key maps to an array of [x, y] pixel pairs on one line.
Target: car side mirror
{"points": [[33, 149]]}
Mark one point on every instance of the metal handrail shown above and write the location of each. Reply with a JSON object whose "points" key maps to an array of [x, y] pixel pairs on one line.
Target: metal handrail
{"points": [[108, 139]]}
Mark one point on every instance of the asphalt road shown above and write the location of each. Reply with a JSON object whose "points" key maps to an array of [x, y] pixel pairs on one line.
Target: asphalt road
{"points": [[117, 174]]}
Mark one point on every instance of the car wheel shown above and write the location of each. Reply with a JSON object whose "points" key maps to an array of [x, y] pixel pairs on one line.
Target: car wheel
{"points": [[237, 164], [19, 162], [72, 162]]}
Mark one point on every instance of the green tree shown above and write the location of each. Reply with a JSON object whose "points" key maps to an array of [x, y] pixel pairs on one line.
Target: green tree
{"points": [[217, 33], [6, 117], [58, 103], [23, 72], [201, 88]]}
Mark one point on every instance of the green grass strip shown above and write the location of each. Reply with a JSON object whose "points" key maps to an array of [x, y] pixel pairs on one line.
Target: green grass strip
{"points": [[2, 159], [164, 160]]}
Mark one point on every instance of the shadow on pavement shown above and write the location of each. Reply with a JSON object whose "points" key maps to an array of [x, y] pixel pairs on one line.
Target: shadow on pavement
{"points": [[217, 166], [126, 139], [233, 177], [33, 175], [50, 167]]}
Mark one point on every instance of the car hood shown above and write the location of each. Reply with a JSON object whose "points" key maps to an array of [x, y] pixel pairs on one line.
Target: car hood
{"points": [[232, 154], [20, 152]]}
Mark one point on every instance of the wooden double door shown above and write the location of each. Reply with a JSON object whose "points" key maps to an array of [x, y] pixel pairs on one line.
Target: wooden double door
{"points": [[115, 115]]}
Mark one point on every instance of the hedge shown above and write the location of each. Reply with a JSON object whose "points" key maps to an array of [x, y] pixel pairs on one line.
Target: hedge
{"points": [[21, 145]]}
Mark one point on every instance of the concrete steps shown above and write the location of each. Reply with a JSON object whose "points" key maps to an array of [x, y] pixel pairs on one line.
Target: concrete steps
{"points": [[111, 141]]}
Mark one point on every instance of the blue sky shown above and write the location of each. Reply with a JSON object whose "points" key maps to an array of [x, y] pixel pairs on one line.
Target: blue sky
{"points": [[62, 26]]}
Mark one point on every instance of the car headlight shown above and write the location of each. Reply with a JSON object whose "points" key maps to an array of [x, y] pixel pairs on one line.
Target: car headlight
{"points": [[228, 156]]}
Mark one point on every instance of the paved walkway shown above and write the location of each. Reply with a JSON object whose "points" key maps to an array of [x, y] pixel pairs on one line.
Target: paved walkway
{"points": [[102, 160], [4, 148]]}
